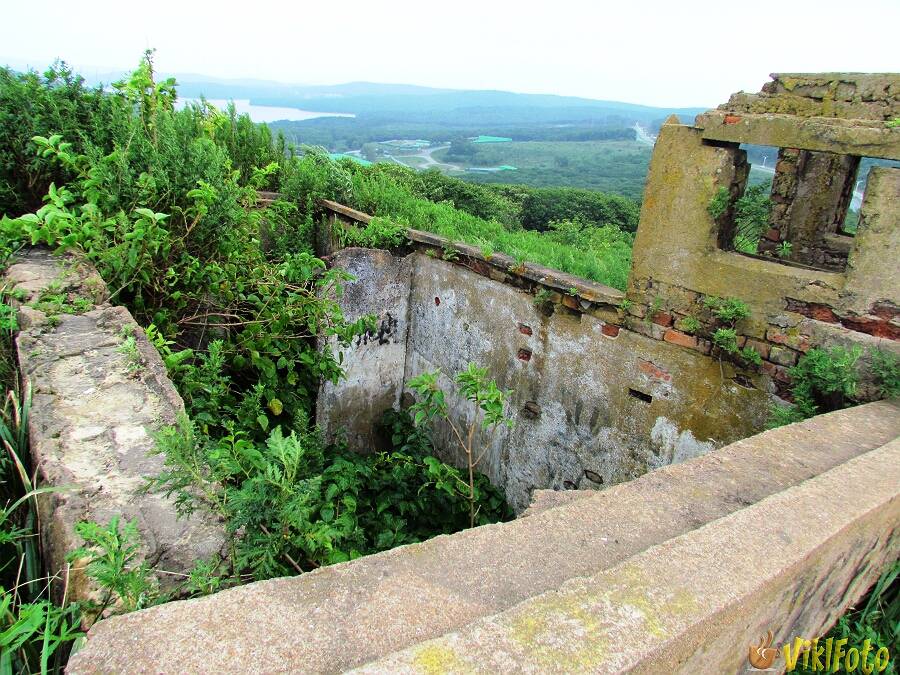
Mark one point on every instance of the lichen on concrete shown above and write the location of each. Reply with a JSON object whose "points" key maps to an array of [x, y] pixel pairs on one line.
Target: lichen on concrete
{"points": [[95, 409]]}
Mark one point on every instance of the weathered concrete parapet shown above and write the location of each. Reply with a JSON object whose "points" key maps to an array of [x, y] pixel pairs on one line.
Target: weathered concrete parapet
{"points": [[848, 137], [698, 602], [95, 407], [718, 543], [842, 113]]}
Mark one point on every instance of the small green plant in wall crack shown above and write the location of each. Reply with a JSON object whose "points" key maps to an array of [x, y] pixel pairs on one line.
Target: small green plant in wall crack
{"points": [[727, 310], [489, 415], [689, 324], [129, 349]]}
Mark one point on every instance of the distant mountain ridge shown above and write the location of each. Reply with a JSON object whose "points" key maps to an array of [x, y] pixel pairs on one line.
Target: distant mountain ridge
{"points": [[362, 97], [372, 97]]}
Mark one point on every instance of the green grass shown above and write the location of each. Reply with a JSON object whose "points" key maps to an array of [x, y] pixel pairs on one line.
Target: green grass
{"points": [[602, 254], [609, 166]]}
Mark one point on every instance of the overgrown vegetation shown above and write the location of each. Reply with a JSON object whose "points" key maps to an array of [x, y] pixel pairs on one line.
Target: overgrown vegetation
{"points": [[489, 400], [577, 246], [825, 380], [728, 312], [751, 213], [164, 203]]}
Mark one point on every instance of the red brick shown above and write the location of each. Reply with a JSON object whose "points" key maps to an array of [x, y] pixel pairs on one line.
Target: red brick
{"points": [[776, 372], [662, 319], [799, 342], [732, 119], [873, 326], [653, 371], [610, 330], [814, 310], [676, 337], [822, 313], [525, 329], [885, 310], [524, 354]]}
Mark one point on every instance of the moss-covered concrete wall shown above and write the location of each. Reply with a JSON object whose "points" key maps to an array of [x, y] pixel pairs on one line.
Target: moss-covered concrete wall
{"points": [[593, 405], [607, 385]]}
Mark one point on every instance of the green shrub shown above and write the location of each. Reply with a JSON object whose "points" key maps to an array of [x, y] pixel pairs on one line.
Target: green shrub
{"points": [[293, 503], [377, 233], [728, 310], [602, 254], [886, 372], [725, 339], [720, 202], [822, 381], [751, 217], [689, 324]]}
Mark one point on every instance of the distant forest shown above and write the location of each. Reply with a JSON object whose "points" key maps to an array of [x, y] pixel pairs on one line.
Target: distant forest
{"points": [[340, 134]]}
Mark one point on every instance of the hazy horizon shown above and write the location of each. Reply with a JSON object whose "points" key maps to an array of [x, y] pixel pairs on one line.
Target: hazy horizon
{"points": [[655, 53]]}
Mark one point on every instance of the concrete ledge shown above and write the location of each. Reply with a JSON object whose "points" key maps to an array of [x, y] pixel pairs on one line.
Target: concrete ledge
{"points": [[345, 615], [824, 134], [791, 564], [95, 407]]}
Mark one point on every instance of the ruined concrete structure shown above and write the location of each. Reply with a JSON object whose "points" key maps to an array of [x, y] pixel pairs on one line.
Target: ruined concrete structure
{"points": [[600, 394], [682, 553], [95, 408]]}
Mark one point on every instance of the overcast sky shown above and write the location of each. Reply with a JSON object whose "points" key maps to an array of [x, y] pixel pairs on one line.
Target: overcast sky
{"points": [[660, 53]]}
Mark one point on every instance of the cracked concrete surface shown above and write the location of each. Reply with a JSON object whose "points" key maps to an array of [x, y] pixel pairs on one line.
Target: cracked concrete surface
{"points": [[93, 417]]}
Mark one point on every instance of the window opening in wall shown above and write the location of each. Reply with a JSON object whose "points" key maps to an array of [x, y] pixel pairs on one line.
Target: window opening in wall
{"points": [[752, 211], [851, 220], [797, 206]]}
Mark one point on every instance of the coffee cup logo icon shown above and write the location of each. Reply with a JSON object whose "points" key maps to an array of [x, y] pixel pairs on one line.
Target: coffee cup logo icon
{"points": [[763, 655]]}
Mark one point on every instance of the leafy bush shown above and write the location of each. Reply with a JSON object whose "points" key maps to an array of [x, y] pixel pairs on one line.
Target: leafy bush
{"points": [[725, 339], [110, 557], [729, 312], [378, 233], [751, 217], [886, 372], [720, 202], [164, 202], [822, 381], [298, 503], [31, 104], [489, 401]]}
